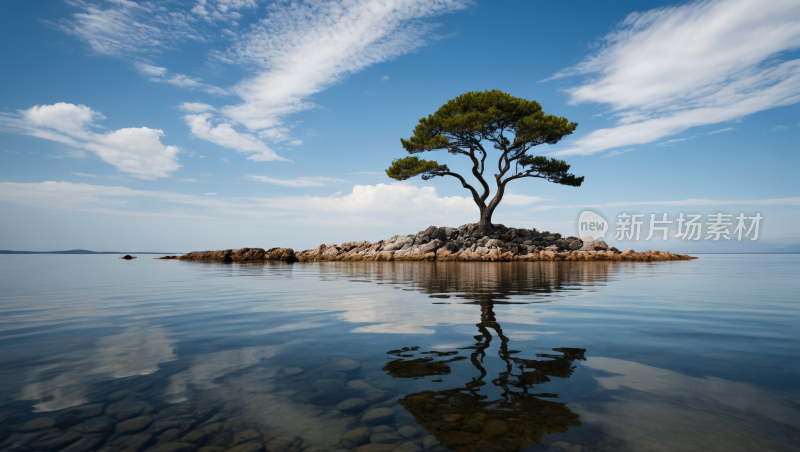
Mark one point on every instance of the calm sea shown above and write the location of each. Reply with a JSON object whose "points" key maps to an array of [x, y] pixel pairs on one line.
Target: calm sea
{"points": [[102, 354]]}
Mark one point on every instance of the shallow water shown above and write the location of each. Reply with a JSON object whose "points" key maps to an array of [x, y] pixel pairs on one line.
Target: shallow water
{"points": [[169, 355]]}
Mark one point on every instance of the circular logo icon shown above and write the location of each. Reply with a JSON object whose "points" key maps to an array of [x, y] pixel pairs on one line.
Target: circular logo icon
{"points": [[591, 225]]}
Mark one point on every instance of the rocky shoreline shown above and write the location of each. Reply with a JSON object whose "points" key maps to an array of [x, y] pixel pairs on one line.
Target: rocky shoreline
{"points": [[464, 243]]}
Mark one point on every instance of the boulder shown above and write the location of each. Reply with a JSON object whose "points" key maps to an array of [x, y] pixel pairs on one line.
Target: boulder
{"points": [[33, 425], [355, 437], [74, 415], [133, 425], [377, 416], [354, 405]]}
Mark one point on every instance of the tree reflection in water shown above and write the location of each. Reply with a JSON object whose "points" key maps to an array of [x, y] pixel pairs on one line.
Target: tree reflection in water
{"points": [[463, 419]]}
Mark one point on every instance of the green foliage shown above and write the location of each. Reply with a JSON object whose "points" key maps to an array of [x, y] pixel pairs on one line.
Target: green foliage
{"points": [[409, 167], [478, 115], [551, 169]]}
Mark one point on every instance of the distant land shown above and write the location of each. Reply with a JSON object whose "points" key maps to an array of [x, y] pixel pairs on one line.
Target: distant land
{"points": [[80, 252]]}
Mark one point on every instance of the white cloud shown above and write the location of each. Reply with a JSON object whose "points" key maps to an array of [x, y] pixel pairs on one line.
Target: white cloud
{"points": [[779, 128], [162, 75], [669, 69], [296, 182], [226, 11], [298, 50], [385, 78], [125, 29], [721, 130], [137, 151], [84, 174], [210, 194], [302, 48], [380, 204], [222, 133], [686, 202], [618, 152], [521, 200], [195, 107]]}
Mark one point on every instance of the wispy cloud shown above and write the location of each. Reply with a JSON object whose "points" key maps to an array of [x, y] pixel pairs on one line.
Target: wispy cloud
{"points": [[380, 204], [84, 174], [296, 51], [686, 202], [162, 75], [137, 151], [669, 69], [302, 48], [721, 130], [385, 78], [296, 182], [195, 107], [128, 29], [618, 152], [521, 200], [778, 128]]}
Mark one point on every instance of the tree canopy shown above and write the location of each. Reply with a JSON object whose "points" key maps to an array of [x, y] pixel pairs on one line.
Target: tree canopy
{"points": [[513, 126]]}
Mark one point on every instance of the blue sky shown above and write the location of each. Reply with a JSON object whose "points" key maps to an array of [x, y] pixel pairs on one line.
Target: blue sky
{"points": [[205, 124]]}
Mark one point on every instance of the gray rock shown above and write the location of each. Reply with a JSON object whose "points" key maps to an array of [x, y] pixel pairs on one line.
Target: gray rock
{"points": [[283, 444], [352, 405], [495, 242], [254, 446], [408, 447], [575, 245], [345, 365], [95, 425], [600, 245], [246, 436], [175, 447], [430, 443], [328, 375], [130, 443], [378, 416], [355, 437], [88, 442], [408, 431], [133, 425], [385, 438], [431, 247], [55, 440], [161, 426], [329, 386], [481, 250], [383, 429], [375, 447], [37, 424], [587, 246], [119, 395], [126, 409], [74, 415]]}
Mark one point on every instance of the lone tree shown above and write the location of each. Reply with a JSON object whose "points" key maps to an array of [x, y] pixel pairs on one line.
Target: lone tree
{"points": [[513, 126]]}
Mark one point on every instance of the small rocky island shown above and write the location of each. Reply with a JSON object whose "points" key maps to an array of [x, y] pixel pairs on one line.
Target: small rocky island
{"points": [[464, 243]]}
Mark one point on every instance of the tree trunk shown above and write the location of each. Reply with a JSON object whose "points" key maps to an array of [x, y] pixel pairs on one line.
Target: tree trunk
{"points": [[485, 225]]}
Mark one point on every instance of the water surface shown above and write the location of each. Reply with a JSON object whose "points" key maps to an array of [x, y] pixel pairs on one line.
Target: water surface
{"points": [[407, 356]]}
